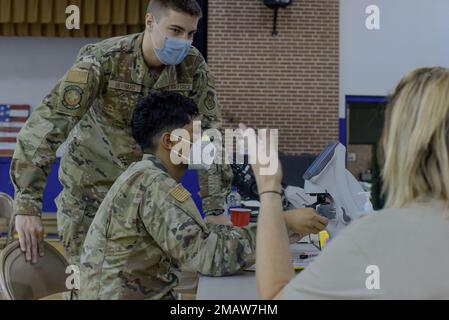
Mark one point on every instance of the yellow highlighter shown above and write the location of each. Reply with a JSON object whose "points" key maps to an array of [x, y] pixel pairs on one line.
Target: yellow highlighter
{"points": [[324, 238]]}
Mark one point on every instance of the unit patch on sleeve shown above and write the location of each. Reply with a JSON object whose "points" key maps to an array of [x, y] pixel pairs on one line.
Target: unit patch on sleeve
{"points": [[73, 95]]}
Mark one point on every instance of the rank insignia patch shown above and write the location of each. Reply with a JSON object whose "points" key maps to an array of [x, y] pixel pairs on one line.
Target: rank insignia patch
{"points": [[72, 97], [180, 193], [210, 101]]}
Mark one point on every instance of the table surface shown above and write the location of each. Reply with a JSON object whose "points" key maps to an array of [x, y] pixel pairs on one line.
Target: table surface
{"points": [[241, 286]]}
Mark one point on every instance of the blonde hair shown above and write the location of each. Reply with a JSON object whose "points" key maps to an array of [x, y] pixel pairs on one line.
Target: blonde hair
{"points": [[416, 139]]}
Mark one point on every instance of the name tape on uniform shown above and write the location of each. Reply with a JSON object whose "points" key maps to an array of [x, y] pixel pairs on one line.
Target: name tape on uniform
{"points": [[180, 87], [114, 84]]}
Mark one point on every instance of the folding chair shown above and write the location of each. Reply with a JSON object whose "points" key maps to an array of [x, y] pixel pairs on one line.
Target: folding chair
{"points": [[21, 280], [6, 213]]}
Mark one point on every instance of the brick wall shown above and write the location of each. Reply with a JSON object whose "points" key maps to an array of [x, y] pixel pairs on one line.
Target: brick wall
{"points": [[289, 82], [363, 159]]}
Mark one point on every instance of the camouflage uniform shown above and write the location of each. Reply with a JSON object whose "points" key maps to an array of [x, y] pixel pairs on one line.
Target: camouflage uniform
{"points": [[91, 107], [147, 226]]}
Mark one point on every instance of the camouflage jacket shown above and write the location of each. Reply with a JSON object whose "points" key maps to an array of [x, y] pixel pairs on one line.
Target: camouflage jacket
{"points": [[146, 227], [91, 107]]}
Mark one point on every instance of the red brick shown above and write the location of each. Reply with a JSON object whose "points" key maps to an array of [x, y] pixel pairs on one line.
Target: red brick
{"points": [[289, 82]]}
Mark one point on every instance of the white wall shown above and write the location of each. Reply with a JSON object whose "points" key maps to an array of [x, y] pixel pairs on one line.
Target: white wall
{"points": [[414, 33], [29, 67]]}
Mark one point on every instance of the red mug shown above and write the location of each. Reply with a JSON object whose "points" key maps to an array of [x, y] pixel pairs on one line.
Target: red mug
{"points": [[240, 217]]}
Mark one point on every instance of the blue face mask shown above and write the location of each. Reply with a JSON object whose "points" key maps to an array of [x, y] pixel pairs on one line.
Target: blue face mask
{"points": [[173, 51]]}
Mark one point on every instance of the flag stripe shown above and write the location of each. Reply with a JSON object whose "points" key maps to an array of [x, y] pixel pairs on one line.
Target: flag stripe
{"points": [[18, 119], [8, 134], [12, 124], [7, 140], [19, 113], [20, 107], [9, 130], [7, 146]]}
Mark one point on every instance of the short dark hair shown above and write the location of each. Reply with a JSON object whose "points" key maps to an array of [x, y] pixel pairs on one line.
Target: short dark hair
{"points": [[156, 7], [160, 111]]}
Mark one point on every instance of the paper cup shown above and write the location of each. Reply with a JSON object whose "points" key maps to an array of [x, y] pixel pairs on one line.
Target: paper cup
{"points": [[240, 217]]}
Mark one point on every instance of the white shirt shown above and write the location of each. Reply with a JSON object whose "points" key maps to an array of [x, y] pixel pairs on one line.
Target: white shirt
{"points": [[409, 248]]}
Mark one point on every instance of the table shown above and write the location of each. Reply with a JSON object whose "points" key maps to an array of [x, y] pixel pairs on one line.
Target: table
{"points": [[241, 286]]}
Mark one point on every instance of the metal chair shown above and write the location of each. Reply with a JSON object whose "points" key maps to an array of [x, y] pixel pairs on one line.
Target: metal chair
{"points": [[20, 280], [6, 213]]}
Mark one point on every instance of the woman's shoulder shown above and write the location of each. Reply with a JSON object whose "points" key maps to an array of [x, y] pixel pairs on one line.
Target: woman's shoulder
{"points": [[386, 223], [430, 211]]}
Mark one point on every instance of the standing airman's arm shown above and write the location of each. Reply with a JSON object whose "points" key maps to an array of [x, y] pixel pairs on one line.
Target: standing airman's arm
{"points": [[48, 127], [172, 219], [215, 183]]}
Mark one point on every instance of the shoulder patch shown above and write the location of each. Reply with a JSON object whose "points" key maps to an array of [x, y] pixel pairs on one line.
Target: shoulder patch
{"points": [[72, 98], [78, 76], [180, 193]]}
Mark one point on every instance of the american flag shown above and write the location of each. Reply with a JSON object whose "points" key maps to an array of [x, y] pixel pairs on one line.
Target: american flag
{"points": [[12, 118]]}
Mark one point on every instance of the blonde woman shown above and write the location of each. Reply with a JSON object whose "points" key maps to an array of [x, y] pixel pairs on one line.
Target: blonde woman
{"points": [[398, 253]]}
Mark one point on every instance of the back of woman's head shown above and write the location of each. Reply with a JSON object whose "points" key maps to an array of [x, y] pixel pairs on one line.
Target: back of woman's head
{"points": [[416, 139]]}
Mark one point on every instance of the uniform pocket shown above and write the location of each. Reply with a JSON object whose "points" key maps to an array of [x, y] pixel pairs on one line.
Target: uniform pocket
{"points": [[71, 216], [118, 105]]}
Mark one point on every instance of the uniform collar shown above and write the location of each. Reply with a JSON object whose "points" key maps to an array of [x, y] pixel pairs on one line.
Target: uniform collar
{"points": [[155, 160], [167, 78]]}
